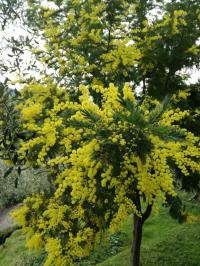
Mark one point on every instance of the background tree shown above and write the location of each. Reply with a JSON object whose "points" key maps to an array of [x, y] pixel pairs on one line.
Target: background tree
{"points": [[9, 128], [18, 40], [118, 41], [16, 180]]}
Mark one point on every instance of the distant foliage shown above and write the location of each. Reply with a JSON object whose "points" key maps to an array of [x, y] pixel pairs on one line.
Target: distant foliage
{"points": [[29, 182]]}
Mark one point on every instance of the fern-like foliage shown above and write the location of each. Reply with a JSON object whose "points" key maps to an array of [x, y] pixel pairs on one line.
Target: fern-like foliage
{"points": [[156, 114], [167, 132], [78, 124], [91, 116], [132, 114]]}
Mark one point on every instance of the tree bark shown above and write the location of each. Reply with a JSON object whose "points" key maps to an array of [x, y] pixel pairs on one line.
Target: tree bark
{"points": [[136, 242], [137, 233]]}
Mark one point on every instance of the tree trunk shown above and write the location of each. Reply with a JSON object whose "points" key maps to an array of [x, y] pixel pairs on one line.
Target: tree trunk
{"points": [[137, 231], [136, 241]]}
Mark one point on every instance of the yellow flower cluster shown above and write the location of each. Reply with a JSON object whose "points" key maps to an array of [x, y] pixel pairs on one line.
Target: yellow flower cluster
{"points": [[31, 112], [35, 242], [128, 93], [178, 20], [191, 218], [194, 50], [173, 116], [55, 254], [127, 55]]}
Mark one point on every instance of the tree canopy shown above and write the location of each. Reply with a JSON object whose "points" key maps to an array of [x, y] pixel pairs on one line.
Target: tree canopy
{"points": [[104, 160], [121, 41]]}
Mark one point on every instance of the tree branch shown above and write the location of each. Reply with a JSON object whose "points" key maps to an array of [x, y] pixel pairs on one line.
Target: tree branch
{"points": [[147, 213]]}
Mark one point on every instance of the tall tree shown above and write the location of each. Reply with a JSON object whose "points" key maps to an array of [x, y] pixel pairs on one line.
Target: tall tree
{"points": [[105, 151], [109, 162]]}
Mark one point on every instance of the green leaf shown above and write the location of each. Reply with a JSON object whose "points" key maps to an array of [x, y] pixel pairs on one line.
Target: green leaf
{"points": [[126, 103], [168, 133], [177, 208], [135, 117], [78, 124], [91, 116], [159, 110]]}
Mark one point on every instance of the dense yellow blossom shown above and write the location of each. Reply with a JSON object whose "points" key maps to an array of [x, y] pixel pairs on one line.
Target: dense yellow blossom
{"points": [[95, 150]]}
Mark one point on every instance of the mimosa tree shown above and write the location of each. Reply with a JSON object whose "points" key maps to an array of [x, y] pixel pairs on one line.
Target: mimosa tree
{"points": [[108, 154], [107, 161]]}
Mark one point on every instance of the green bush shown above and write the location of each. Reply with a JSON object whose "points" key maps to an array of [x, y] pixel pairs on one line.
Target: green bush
{"points": [[14, 187], [114, 245], [30, 259]]}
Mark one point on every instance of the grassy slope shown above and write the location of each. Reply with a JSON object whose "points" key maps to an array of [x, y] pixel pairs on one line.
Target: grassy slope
{"points": [[165, 243], [12, 249], [14, 252]]}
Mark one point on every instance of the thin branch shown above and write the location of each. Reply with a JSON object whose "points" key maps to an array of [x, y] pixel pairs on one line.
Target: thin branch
{"points": [[147, 213]]}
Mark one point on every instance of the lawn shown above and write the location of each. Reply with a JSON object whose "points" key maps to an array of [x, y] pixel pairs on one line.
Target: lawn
{"points": [[12, 249], [14, 253], [165, 243]]}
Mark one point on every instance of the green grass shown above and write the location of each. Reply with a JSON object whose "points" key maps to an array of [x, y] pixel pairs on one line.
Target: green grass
{"points": [[14, 253], [164, 243], [12, 249]]}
